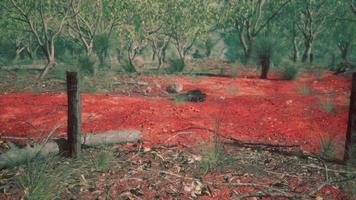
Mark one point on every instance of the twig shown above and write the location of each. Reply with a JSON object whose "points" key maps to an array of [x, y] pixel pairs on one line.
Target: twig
{"points": [[247, 195]]}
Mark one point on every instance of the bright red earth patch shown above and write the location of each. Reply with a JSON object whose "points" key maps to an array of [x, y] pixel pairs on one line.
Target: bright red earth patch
{"points": [[252, 110]]}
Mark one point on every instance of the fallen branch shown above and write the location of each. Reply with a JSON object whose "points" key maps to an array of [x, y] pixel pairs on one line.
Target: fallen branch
{"points": [[16, 156]]}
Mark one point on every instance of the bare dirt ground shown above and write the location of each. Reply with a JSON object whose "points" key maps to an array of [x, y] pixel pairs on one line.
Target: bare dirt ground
{"points": [[248, 109], [309, 113]]}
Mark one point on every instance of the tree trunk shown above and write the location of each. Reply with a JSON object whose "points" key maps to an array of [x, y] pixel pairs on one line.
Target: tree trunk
{"points": [[344, 50], [89, 49], [265, 64], [19, 50], [248, 54], [247, 46], [308, 51], [154, 50], [50, 63], [295, 56]]}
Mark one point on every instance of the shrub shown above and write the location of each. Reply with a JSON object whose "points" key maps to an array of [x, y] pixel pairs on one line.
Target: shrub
{"points": [[128, 67], [232, 51], [264, 49], [213, 156], [319, 72], [36, 180], [102, 160], [101, 47], [289, 70], [222, 71], [88, 84], [305, 90], [328, 147], [328, 105], [175, 65], [87, 65]]}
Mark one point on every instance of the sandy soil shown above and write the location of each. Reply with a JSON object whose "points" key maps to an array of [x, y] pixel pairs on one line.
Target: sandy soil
{"points": [[270, 111]]}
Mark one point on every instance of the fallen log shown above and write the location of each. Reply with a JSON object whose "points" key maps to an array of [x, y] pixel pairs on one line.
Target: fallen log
{"points": [[17, 156], [111, 137]]}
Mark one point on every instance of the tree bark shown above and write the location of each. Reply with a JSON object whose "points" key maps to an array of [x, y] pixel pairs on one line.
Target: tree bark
{"points": [[51, 62], [296, 53], [308, 51], [344, 50], [265, 65]]}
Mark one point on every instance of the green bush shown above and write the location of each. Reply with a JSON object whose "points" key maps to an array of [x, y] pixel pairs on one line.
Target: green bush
{"points": [[328, 105], [305, 90], [36, 180], [265, 49], [128, 66], [328, 147], [102, 160], [215, 157], [101, 47], [231, 39], [87, 65], [175, 65], [289, 70]]}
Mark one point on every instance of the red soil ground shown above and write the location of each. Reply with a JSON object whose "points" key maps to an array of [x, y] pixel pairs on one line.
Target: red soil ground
{"points": [[270, 111]]}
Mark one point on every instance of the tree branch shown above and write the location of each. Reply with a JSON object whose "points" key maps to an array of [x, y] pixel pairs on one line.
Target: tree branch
{"points": [[274, 14]]}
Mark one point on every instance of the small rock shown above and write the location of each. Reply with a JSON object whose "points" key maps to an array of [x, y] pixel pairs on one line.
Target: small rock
{"points": [[175, 87], [196, 96]]}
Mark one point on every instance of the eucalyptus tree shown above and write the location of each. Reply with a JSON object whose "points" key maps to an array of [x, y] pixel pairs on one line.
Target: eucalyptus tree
{"points": [[45, 20], [313, 16], [91, 20], [131, 33], [188, 21], [343, 33], [249, 18], [156, 29], [288, 26], [353, 7]]}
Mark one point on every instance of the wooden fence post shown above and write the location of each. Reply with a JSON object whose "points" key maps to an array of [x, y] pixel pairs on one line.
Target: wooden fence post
{"points": [[350, 144], [74, 114]]}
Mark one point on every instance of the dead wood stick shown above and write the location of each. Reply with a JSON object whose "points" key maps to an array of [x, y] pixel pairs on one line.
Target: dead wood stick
{"points": [[236, 141], [16, 156]]}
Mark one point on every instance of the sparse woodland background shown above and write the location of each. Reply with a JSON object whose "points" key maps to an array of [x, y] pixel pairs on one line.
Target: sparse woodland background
{"points": [[92, 35]]}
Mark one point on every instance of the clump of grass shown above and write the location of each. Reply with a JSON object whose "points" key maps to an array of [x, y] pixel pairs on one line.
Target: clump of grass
{"points": [[88, 84], [180, 98], [319, 72], [235, 69], [350, 187], [305, 90], [328, 147], [128, 66], [87, 65], [232, 90], [175, 65], [328, 105], [222, 71], [213, 156], [194, 78], [17, 156], [105, 80], [289, 71], [102, 160], [37, 181]]}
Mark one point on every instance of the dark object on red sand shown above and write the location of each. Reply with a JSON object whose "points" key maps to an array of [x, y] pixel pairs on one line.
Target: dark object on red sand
{"points": [[195, 96]]}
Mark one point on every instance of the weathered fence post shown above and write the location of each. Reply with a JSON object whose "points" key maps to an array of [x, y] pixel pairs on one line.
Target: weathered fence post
{"points": [[350, 144], [74, 114]]}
